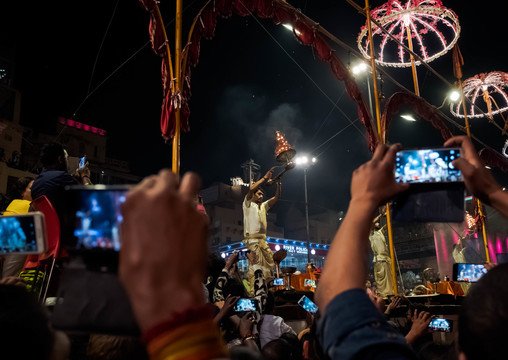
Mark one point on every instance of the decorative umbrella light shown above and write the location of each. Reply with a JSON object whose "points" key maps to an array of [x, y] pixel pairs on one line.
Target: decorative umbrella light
{"points": [[491, 88], [434, 29]]}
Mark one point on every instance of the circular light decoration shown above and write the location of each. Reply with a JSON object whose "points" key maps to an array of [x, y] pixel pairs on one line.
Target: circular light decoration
{"points": [[433, 30], [488, 87]]}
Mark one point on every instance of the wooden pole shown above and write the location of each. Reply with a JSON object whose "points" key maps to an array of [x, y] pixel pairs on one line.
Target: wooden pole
{"points": [[478, 202], [178, 55], [381, 138], [413, 66]]}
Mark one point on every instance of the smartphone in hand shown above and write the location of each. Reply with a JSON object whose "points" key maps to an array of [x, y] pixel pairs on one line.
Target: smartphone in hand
{"points": [[23, 234]]}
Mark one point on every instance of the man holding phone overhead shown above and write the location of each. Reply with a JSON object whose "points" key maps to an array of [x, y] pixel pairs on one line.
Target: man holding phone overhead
{"points": [[55, 177], [254, 225]]}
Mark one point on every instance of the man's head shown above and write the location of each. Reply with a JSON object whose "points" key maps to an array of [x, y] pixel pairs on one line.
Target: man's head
{"points": [[483, 318], [258, 196], [54, 157]]}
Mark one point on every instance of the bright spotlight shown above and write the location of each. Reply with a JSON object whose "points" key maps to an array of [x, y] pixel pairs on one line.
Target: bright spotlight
{"points": [[359, 68], [290, 28], [314, 159], [454, 95], [408, 117]]}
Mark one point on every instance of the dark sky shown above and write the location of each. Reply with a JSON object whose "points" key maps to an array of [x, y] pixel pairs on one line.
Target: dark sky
{"points": [[244, 87]]}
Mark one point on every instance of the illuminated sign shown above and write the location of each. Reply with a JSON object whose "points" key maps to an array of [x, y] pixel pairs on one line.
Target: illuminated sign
{"points": [[81, 126]]}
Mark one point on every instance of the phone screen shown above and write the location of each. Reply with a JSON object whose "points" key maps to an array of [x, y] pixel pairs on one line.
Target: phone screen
{"points": [[310, 283], [307, 304], [427, 166], [22, 234], [242, 254], [82, 161], [246, 305], [439, 324], [468, 272], [278, 281], [96, 216]]}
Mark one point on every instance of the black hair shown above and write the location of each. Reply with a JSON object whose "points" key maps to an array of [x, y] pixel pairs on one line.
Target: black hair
{"points": [[50, 153], [25, 331], [270, 303], [279, 349], [18, 188], [235, 287], [483, 317]]}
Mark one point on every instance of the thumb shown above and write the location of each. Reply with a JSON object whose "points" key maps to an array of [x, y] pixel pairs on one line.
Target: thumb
{"points": [[464, 166]]}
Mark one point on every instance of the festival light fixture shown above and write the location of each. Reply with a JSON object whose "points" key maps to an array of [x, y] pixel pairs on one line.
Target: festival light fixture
{"points": [[359, 68], [434, 28], [292, 29], [491, 87], [454, 95], [408, 117]]}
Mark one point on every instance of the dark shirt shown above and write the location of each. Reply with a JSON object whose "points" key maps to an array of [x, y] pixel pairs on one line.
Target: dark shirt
{"points": [[352, 328], [52, 183]]}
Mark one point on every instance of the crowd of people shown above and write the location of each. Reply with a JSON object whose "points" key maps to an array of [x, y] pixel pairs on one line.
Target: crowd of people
{"points": [[184, 299]]}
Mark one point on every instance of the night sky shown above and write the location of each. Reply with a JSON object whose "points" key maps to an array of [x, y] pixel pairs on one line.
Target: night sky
{"points": [[252, 78]]}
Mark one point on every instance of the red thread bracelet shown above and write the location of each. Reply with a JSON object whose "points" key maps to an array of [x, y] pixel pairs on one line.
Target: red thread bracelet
{"points": [[186, 316]]}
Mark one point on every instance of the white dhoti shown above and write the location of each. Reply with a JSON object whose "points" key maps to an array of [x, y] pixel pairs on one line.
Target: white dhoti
{"points": [[257, 244]]}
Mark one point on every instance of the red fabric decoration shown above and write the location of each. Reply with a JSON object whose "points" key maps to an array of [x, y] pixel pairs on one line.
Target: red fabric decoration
{"points": [[209, 19], [304, 32], [421, 107], [281, 15], [494, 159], [224, 8], [264, 9], [243, 7], [279, 12], [323, 49]]}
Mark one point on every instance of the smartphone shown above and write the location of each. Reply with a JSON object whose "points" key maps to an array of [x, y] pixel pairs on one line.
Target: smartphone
{"points": [[468, 272], [278, 281], [246, 304], [309, 283], [424, 166], [23, 234], [242, 254], [439, 324], [93, 217], [307, 304], [82, 162]]}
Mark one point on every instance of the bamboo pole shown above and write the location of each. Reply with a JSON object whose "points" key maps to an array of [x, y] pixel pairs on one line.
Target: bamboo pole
{"points": [[381, 137], [178, 55], [413, 66], [478, 202]]}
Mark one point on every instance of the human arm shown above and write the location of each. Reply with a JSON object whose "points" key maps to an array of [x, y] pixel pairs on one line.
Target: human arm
{"points": [[478, 180], [246, 328], [351, 326], [394, 303], [227, 309], [254, 187], [160, 224], [276, 197], [372, 184], [419, 327], [83, 175], [218, 294]]}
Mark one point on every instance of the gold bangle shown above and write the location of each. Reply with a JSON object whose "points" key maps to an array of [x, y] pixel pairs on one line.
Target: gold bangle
{"points": [[250, 337]]}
